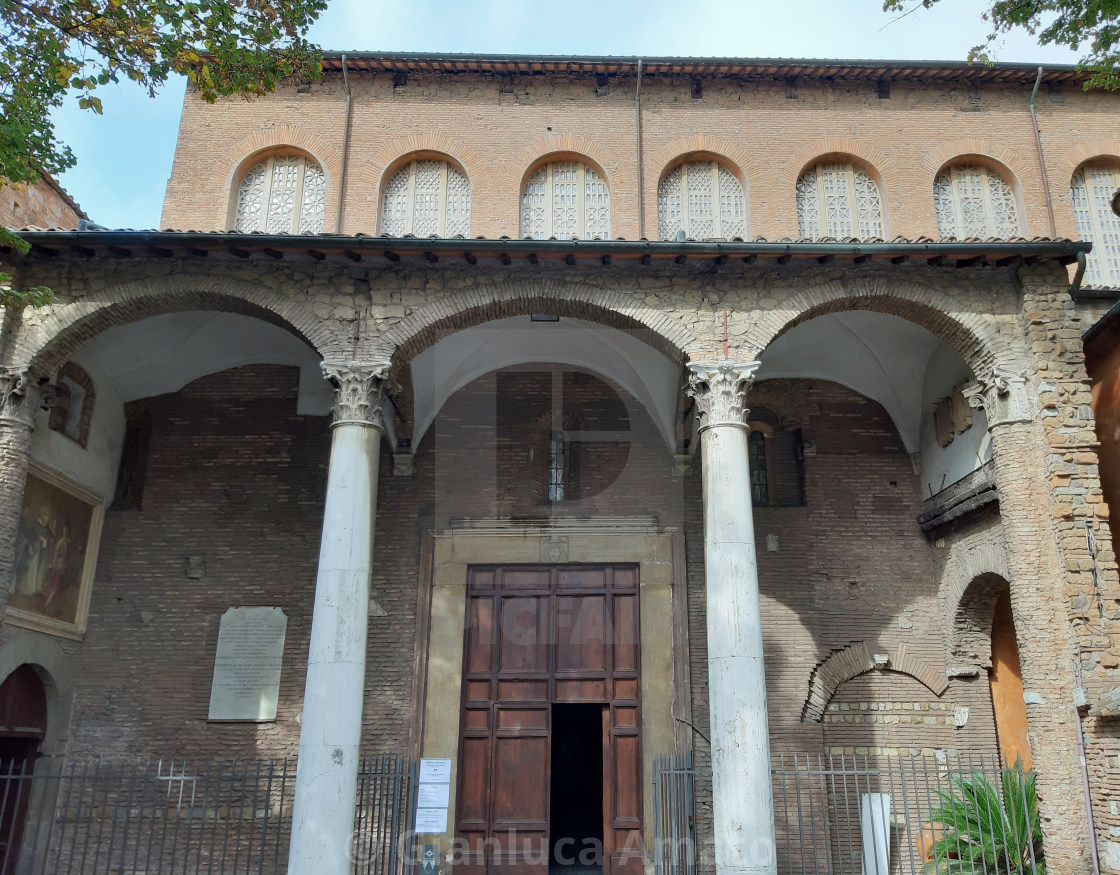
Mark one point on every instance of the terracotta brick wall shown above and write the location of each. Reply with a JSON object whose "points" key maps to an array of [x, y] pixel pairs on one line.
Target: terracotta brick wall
{"points": [[765, 135], [37, 205]]}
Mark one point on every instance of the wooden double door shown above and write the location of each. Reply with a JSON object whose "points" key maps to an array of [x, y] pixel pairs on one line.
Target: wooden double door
{"points": [[550, 723]]}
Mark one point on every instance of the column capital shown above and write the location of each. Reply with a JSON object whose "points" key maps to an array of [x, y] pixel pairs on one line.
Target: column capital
{"points": [[1003, 397], [720, 390], [18, 397], [358, 388]]}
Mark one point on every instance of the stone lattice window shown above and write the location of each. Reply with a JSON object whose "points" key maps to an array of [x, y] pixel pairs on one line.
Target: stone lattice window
{"points": [[703, 199], [1091, 193], [284, 194], [838, 200], [566, 200], [427, 197], [973, 201]]}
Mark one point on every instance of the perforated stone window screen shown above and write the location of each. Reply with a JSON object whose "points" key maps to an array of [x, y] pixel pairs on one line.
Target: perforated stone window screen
{"points": [[838, 200], [566, 200], [284, 194], [427, 197], [1091, 194], [704, 200], [973, 201]]}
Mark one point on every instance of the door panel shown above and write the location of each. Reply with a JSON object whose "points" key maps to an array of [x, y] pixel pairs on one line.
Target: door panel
{"points": [[537, 636]]}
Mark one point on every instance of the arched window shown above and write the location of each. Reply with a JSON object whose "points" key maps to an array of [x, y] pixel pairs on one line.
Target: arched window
{"points": [[283, 194], [838, 200], [973, 201], [426, 197], [72, 409], [703, 199], [566, 200], [759, 465], [1091, 193]]}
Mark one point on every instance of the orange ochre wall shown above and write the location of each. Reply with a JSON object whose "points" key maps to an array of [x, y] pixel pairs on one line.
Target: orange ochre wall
{"points": [[1007, 687]]}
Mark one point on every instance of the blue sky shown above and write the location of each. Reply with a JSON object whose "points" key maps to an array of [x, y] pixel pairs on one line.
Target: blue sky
{"points": [[124, 156]]}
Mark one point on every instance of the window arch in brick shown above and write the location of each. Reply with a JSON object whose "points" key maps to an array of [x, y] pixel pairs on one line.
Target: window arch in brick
{"points": [[1091, 193], [702, 199], [567, 200], [72, 407], [839, 199], [973, 200], [282, 194], [426, 197]]}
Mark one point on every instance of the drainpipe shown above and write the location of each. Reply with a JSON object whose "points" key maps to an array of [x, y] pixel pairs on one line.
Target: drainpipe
{"points": [[1078, 276], [345, 150], [638, 126], [1041, 160], [1085, 786]]}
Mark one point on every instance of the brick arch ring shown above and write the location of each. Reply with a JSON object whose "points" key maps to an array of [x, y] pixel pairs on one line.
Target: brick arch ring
{"points": [[962, 569], [857, 659], [391, 154], [975, 340], [553, 144], [69, 326], [422, 327], [736, 157]]}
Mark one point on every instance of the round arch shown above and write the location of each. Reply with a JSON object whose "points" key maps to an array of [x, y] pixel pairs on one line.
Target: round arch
{"points": [[973, 338], [73, 324], [422, 327], [706, 147], [49, 662], [380, 177]]}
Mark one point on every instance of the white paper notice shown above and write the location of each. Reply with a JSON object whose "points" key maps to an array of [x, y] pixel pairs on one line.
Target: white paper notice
{"points": [[435, 771], [433, 795], [431, 820]]}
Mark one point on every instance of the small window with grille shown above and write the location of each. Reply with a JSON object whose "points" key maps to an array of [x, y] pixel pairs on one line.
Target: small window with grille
{"points": [[974, 201], [566, 200], [759, 465], [1091, 193], [283, 194], [838, 200], [557, 472], [427, 197], [702, 200]]}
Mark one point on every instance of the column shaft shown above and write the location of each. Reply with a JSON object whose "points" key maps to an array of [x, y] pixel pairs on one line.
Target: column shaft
{"points": [[16, 409], [742, 795], [326, 782]]}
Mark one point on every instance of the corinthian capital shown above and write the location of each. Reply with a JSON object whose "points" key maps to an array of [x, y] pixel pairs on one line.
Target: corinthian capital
{"points": [[358, 387], [17, 396], [1003, 397], [720, 391]]}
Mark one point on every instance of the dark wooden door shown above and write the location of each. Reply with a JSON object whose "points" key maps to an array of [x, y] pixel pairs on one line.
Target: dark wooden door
{"points": [[539, 635], [23, 723]]}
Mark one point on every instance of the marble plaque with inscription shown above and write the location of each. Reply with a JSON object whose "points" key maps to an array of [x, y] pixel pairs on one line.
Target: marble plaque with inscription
{"points": [[247, 665]]}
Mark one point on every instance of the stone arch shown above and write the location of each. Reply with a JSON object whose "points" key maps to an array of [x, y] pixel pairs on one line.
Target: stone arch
{"points": [[45, 656], [974, 338], [68, 326], [856, 659], [973, 578], [485, 303]]}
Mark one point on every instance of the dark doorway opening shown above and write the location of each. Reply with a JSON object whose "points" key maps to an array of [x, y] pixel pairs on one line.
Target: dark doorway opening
{"points": [[23, 723], [576, 796]]}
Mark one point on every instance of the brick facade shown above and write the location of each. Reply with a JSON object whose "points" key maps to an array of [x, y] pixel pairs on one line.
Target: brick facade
{"points": [[236, 475]]}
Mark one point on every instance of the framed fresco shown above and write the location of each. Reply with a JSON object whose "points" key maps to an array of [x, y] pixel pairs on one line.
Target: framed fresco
{"points": [[56, 554]]}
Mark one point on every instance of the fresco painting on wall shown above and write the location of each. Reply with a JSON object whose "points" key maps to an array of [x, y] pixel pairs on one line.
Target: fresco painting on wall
{"points": [[56, 552]]}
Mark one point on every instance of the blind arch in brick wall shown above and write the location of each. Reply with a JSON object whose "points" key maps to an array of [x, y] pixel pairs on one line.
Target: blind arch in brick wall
{"points": [[980, 559], [71, 324], [856, 659]]}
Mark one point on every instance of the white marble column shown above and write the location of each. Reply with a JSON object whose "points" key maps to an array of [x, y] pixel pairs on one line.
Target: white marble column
{"points": [[741, 790], [327, 776]]}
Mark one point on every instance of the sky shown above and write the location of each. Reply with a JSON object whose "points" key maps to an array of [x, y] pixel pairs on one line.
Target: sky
{"points": [[124, 156]]}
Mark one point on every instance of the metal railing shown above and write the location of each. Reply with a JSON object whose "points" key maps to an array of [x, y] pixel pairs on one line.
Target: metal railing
{"points": [[179, 817], [871, 815]]}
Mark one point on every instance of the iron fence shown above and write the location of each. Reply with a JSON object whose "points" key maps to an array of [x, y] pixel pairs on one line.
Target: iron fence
{"points": [[871, 815], [183, 818]]}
